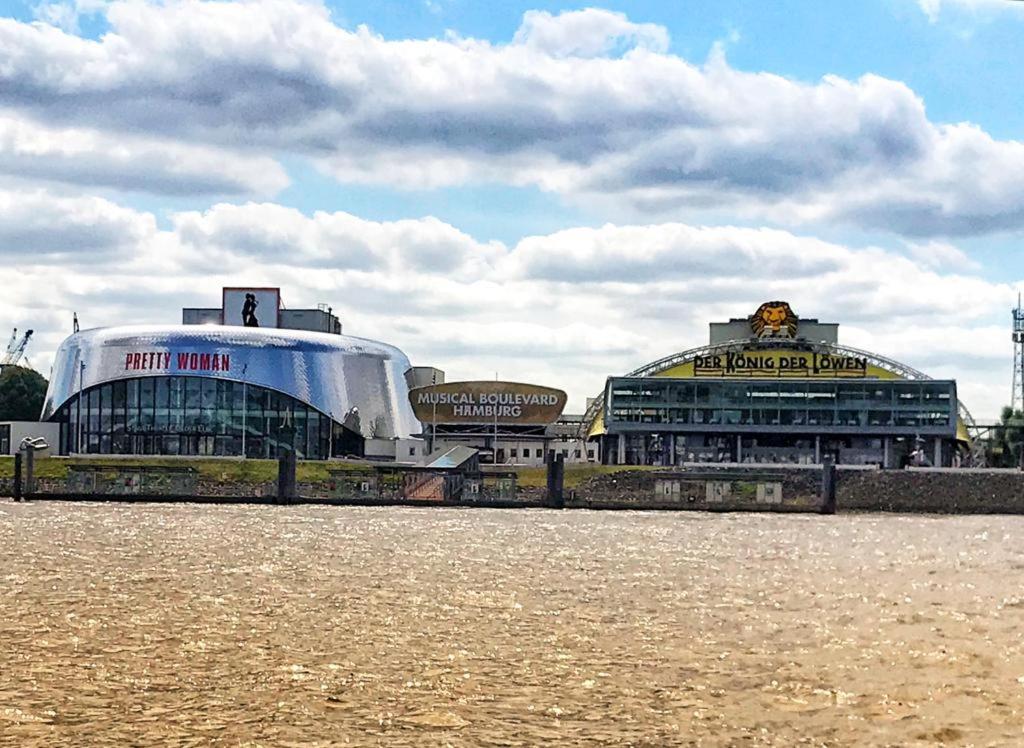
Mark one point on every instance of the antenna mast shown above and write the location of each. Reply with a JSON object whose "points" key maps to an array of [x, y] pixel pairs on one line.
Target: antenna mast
{"points": [[1017, 396]]}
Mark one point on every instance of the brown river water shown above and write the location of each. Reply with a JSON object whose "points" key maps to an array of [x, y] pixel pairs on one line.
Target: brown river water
{"points": [[308, 626]]}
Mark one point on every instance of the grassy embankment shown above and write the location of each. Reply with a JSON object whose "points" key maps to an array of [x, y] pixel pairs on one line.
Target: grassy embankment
{"points": [[241, 471], [537, 477], [261, 471]]}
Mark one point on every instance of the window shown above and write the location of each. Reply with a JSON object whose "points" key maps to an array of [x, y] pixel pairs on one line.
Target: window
{"points": [[576, 454], [167, 415], [412, 451], [590, 454], [5, 439], [208, 394], [513, 453], [526, 453]]}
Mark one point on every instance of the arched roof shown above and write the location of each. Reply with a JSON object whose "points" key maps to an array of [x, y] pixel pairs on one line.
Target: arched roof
{"points": [[659, 367]]}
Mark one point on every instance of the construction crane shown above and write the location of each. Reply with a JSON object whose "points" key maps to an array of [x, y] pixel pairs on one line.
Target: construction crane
{"points": [[16, 348]]}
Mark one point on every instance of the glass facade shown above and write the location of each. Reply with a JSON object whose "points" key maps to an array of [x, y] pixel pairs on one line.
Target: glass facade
{"points": [[194, 416], [791, 405]]}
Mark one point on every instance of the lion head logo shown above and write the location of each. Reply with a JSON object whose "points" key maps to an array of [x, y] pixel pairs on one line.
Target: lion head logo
{"points": [[774, 319]]}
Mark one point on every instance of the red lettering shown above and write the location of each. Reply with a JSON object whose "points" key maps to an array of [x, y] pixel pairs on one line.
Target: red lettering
{"points": [[204, 361], [225, 362], [193, 361], [182, 360], [127, 361], [167, 361]]}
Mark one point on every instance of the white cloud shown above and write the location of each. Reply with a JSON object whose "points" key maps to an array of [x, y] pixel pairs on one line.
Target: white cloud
{"points": [[933, 8], [339, 241], [65, 15], [62, 15], [671, 251], [40, 227], [942, 255], [568, 308], [586, 104], [587, 33], [88, 157]]}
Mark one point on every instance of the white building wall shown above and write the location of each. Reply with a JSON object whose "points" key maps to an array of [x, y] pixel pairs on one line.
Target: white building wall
{"points": [[33, 429], [525, 452], [397, 450]]}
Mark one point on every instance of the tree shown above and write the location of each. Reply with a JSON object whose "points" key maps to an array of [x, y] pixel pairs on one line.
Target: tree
{"points": [[22, 392], [1007, 439]]}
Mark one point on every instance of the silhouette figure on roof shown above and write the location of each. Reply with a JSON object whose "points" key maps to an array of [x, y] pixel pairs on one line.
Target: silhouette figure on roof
{"points": [[249, 311]]}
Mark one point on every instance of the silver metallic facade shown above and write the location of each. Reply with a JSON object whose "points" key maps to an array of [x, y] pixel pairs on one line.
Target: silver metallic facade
{"points": [[336, 374]]}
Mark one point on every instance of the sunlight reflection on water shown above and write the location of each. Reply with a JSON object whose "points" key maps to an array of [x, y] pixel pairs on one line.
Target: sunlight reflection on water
{"points": [[318, 625]]}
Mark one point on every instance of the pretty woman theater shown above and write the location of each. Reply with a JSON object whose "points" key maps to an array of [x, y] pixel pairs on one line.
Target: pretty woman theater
{"points": [[249, 378]]}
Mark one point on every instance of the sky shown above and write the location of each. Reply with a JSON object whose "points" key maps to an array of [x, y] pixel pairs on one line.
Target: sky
{"points": [[546, 193]]}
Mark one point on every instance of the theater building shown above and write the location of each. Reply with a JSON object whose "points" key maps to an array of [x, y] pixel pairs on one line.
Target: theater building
{"points": [[238, 382], [773, 388]]}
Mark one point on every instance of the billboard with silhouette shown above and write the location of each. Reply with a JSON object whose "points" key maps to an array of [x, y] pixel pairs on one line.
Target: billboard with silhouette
{"points": [[251, 307]]}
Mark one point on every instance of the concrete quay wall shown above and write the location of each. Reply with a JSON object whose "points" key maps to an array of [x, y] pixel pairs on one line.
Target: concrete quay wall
{"points": [[944, 491], [723, 489], [699, 488]]}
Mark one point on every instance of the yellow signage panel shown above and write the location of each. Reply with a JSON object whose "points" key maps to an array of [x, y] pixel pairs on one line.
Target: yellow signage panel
{"points": [[779, 363], [486, 402]]}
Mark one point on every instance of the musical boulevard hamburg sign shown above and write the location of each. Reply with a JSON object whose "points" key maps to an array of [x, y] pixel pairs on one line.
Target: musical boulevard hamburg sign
{"points": [[485, 402], [779, 364]]}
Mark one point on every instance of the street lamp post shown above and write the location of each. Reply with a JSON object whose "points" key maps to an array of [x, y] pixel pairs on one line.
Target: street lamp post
{"points": [[330, 436], [78, 419], [433, 428]]}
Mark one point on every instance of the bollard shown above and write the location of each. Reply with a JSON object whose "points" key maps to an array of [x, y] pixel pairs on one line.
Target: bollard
{"points": [[17, 476], [556, 481], [286, 478], [560, 481], [828, 486]]}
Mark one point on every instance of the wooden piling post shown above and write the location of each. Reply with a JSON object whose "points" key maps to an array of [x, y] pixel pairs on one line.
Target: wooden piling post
{"points": [[30, 471], [286, 464], [17, 476], [556, 481], [828, 485]]}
